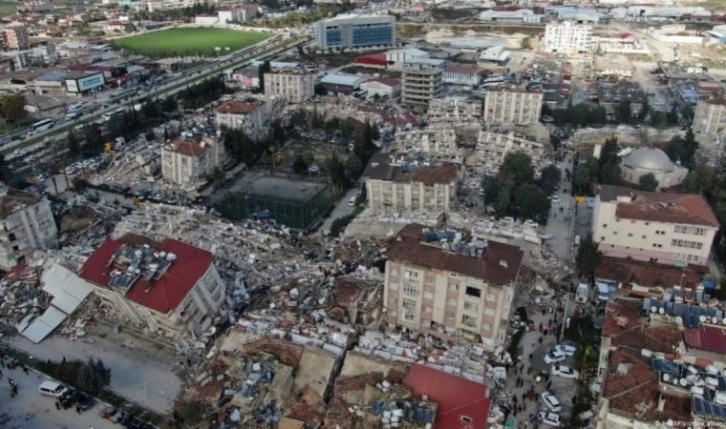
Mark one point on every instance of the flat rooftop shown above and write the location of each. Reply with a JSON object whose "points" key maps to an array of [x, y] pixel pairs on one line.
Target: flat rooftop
{"points": [[279, 187]]}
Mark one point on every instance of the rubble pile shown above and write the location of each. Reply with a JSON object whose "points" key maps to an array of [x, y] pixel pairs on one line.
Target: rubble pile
{"points": [[21, 298]]}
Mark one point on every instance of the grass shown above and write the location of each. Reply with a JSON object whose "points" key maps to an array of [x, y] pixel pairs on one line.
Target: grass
{"points": [[189, 41], [8, 7]]}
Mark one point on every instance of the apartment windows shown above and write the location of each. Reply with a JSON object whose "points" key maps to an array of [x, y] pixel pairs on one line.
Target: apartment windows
{"points": [[408, 304], [428, 295], [486, 327], [408, 316], [410, 275], [410, 289], [450, 315], [472, 291], [451, 301], [470, 306], [468, 321], [491, 296], [490, 312]]}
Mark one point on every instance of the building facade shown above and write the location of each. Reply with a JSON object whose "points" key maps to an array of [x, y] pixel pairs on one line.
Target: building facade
{"points": [[493, 147], [461, 288], [710, 117], [422, 81], [188, 162], [168, 287], [356, 31], [27, 225], [462, 75], [15, 37], [382, 87], [646, 160], [295, 86], [668, 228], [569, 38], [512, 106], [432, 143], [397, 186], [245, 115], [455, 109]]}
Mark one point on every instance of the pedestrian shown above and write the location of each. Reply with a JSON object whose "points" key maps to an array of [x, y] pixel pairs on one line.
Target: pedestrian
{"points": [[78, 409], [57, 405]]}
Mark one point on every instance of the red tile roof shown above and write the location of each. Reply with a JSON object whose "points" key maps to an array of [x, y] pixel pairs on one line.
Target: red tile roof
{"points": [[380, 168], [372, 59], [236, 107], [193, 148], [649, 274], [709, 338], [385, 80], [620, 315], [169, 290], [659, 206], [463, 69], [500, 263], [457, 397]]}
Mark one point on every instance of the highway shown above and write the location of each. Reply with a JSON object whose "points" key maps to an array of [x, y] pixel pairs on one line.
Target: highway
{"points": [[127, 98]]}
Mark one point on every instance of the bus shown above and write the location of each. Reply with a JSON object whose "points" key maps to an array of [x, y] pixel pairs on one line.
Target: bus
{"points": [[41, 126]]}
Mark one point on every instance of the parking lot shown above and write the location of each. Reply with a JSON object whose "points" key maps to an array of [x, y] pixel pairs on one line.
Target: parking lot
{"points": [[30, 410]]}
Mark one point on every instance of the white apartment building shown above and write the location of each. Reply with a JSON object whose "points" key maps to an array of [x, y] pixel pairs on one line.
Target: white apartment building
{"points": [[246, 115], [168, 287], [567, 38], [455, 109], [228, 15], [463, 75], [399, 186], [27, 225], [295, 86], [422, 81], [433, 144], [188, 162], [463, 288], [710, 117], [668, 228], [493, 147], [509, 105]]}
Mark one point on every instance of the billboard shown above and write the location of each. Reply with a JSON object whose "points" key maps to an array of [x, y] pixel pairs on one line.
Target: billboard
{"points": [[90, 82]]}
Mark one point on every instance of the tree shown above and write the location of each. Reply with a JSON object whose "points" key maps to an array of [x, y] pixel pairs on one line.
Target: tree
{"points": [[682, 149], [644, 111], [586, 175], [588, 256], [700, 179], [672, 116], [74, 147], [624, 111], [658, 119], [263, 68], [354, 166], [549, 178], [6, 174], [609, 163], [300, 167], [336, 171], [12, 107], [555, 141], [648, 182], [516, 169], [530, 202]]}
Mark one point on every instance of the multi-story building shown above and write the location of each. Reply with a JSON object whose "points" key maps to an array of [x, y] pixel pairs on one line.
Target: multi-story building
{"points": [[246, 115], [15, 37], [493, 147], [27, 225], [401, 186], [188, 162], [463, 75], [455, 109], [511, 105], [569, 38], [296, 86], [422, 80], [168, 287], [356, 31], [710, 117], [669, 228], [443, 284], [433, 144]]}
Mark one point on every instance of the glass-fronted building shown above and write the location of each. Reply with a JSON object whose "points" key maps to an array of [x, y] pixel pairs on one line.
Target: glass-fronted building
{"points": [[356, 31]]}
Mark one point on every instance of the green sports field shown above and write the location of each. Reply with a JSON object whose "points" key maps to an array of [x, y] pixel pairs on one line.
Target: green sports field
{"points": [[189, 41]]}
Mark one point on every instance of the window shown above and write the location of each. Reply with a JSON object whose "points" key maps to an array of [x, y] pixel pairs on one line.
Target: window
{"points": [[408, 304], [409, 316], [486, 327], [468, 321], [490, 312], [428, 295], [450, 315], [604, 225], [491, 296], [630, 234], [412, 275], [451, 301], [410, 289], [471, 306], [472, 291]]}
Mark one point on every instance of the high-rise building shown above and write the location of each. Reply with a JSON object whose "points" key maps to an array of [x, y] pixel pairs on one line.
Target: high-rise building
{"points": [[356, 31], [511, 105], [27, 225], [446, 284], [296, 86], [567, 38], [15, 37], [422, 80], [710, 117]]}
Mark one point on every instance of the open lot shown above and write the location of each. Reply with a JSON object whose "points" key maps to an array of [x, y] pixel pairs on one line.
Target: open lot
{"points": [[188, 41]]}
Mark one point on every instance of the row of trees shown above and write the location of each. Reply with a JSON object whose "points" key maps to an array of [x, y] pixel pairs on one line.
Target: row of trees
{"points": [[203, 93], [12, 108], [90, 376], [584, 114], [514, 191]]}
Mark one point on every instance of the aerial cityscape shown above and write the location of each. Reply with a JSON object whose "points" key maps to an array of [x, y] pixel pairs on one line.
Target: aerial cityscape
{"points": [[326, 214]]}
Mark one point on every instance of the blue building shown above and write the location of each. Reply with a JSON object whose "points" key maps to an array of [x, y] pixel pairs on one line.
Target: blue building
{"points": [[356, 31]]}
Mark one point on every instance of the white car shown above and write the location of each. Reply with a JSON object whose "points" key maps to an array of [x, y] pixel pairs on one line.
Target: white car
{"points": [[566, 349], [550, 419], [564, 371], [554, 356], [551, 401]]}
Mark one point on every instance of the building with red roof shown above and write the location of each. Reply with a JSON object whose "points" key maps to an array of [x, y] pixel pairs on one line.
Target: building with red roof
{"points": [[168, 286], [189, 161], [463, 404], [372, 60], [668, 228]]}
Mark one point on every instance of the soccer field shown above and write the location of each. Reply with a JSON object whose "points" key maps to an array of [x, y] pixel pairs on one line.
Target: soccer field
{"points": [[189, 41]]}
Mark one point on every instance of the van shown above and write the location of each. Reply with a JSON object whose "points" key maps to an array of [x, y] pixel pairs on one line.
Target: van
{"points": [[51, 388], [352, 200]]}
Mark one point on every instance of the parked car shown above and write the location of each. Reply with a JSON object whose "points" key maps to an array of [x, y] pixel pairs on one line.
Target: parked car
{"points": [[51, 388], [551, 401], [550, 419], [554, 356], [564, 371], [566, 349]]}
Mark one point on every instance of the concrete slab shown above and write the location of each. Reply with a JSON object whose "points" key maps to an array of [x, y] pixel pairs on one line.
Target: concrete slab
{"points": [[315, 370]]}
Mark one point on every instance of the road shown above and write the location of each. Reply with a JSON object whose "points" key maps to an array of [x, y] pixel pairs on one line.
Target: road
{"points": [[30, 410], [263, 49], [341, 209], [139, 372], [559, 224]]}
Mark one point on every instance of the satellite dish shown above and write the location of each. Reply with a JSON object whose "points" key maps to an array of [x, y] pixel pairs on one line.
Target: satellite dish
{"points": [[683, 382], [661, 310], [666, 378], [679, 321], [653, 309], [714, 319], [724, 321], [702, 318]]}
